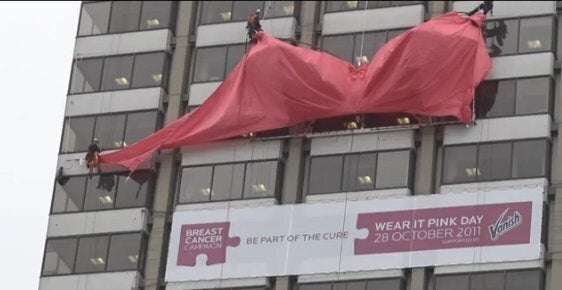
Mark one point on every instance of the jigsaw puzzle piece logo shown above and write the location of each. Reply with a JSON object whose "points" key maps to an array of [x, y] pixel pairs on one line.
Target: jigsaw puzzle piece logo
{"points": [[210, 239]]}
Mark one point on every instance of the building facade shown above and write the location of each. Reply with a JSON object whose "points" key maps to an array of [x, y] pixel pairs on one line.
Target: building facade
{"points": [[143, 64]]}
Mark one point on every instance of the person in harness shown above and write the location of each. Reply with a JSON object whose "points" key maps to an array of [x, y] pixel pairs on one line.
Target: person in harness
{"points": [[485, 6], [93, 157], [253, 25]]}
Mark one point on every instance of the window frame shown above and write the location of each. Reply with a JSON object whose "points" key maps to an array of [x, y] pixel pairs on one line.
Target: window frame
{"points": [[199, 21], [359, 7], [512, 142], [503, 272], [410, 176], [276, 187], [332, 283], [171, 20], [140, 263], [225, 65], [151, 188], [163, 83]]}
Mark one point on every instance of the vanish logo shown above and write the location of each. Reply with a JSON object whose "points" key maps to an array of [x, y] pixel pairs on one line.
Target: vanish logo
{"points": [[504, 224]]}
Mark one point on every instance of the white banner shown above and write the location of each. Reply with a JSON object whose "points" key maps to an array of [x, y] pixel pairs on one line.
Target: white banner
{"points": [[414, 231]]}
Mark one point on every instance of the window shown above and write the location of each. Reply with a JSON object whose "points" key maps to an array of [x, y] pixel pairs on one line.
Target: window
{"points": [[215, 63], [246, 180], [495, 161], [113, 131], [501, 98], [527, 35], [91, 254], [501, 280], [359, 171], [123, 16], [377, 284], [335, 6], [119, 72], [101, 192], [226, 11], [358, 47]]}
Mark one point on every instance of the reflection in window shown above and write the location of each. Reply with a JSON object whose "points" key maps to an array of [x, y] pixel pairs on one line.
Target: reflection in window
{"points": [[140, 125], [325, 174], [131, 193], [235, 54], [529, 158], [261, 179], [494, 161], [460, 164], [70, 196], [393, 169], [124, 252], [359, 171], [155, 14], [228, 181], [535, 34], [242, 9], [77, 134], [533, 96], [210, 64], [109, 131], [196, 184], [92, 254], [519, 35], [59, 257], [117, 73], [334, 6], [86, 76], [500, 280], [216, 11], [280, 8], [100, 192], [94, 18], [124, 16], [148, 70]]}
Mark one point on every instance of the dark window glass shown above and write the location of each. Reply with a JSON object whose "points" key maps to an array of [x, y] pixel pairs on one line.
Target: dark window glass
{"points": [[77, 134], [319, 286], [360, 285], [210, 64], [494, 161], [109, 130], [92, 254], [533, 96], [124, 16], [372, 43], [242, 9], [155, 14], [495, 98], [460, 164], [124, 252], [94, 18], [523, 280], [70, 196], [140, 125], [487, 281], [340, 45], [148, 70], [535, 34], [394, 33], [86, 76], [195, 184], [280, 8], [393, 169], [261, 178], [117, 73], [359, 172], [452, 282], [332, 6], [216, 11], [235, 54], [228, 181], [59, 257], [529, 158], [501, 36], [131, 193], [385, 284], [325, 174], [100, 192]]}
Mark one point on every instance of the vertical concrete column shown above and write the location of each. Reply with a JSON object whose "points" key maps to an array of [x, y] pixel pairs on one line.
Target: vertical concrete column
{"points": [[293, 175], [283, 283], [308, 20], [164, 192], [427, 156]]}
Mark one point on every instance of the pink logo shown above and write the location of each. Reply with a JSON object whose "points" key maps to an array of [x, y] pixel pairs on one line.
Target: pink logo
{"points": [[210, 239]]}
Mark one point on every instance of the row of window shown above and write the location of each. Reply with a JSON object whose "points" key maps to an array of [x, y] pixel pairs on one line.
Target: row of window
{"points": [[504, 280], [91, 254], [378, 284], [119, 72], [525, 35], [336, 6], [227, 11], [229, 181], [360, 171], [101, 17], [358, 47], [113, 130], [105, 191], [501, 98], [495, 161], [215, 63]]}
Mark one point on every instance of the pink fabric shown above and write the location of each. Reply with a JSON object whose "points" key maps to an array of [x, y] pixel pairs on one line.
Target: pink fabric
{"points": [[430, 70]]}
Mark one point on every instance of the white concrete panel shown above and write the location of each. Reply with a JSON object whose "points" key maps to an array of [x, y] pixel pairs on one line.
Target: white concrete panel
{"points": [[114, 101], [497, 129], [217, 284], [85, 223], [347, 276], [506, 9], [198, 93], [235, 32], [122, 43], [231, 151], [372, 19], [227, 204], [526, 65], [100, 281], [358, 195], [495, 185], [362, 142], [74, 164]]}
